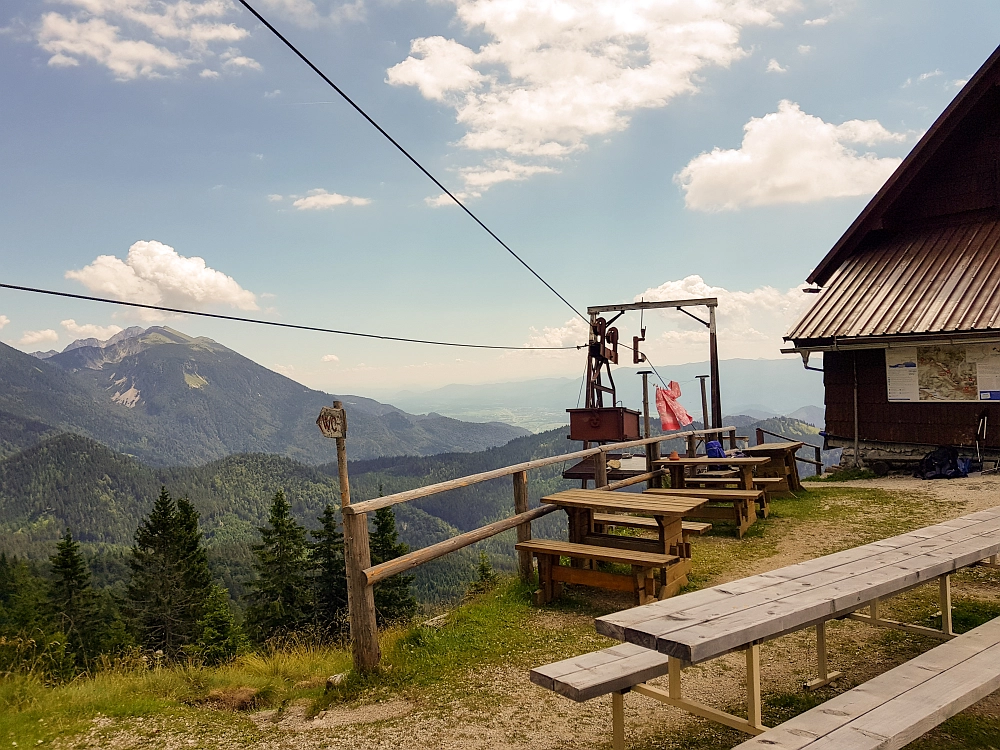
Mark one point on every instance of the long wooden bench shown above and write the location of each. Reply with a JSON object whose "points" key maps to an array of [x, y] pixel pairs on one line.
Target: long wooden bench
{"points": [[742, 614], [737, 506], [551, 574], [688, 528], [895, 708]]}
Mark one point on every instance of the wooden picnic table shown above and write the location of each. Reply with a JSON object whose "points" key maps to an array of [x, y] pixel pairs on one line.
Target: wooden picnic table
{"points": [[742, 614], [745, 466], [618, 467], [582, 505], [783, 463]]}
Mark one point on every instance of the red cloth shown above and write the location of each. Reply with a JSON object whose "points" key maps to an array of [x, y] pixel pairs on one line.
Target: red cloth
{"points": [[673, 416]]}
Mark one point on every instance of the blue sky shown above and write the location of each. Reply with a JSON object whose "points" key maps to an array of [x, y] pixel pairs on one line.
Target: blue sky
{"points": [[622, 149]]}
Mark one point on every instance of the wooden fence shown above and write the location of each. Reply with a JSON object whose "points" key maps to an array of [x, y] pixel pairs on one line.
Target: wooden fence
{"points": [[362, 575]]}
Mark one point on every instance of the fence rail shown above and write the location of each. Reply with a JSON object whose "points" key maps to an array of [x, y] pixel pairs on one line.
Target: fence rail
{"points": [[819, 451], [362, 575]]}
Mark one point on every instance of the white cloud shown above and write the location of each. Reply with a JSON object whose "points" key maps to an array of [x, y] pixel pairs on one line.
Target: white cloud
{"points": [[275, 198], [789, 157], [330, 358], [572, 333], [817, 21], [773, 66], [551, 76], [750, 324], [206, 73], [272, 94], [89, 330], [4, 320], [931, 74], [33, 338], [804, 49], [69, 39], [232, 59], [156, 274], [481, 178], [319, 199], [308, 13]]}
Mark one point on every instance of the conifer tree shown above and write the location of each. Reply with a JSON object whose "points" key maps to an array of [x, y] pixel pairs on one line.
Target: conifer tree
{"points": [[73, 601], [393, 600], [220, 638], [326, 556], [170, 579], [280, 600]]}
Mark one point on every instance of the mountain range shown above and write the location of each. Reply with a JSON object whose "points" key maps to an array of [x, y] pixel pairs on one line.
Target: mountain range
{"points": [[168, 398], [760, 388]]}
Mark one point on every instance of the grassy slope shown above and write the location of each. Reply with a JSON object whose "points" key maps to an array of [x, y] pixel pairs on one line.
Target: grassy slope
{"points": [[499, 628]]}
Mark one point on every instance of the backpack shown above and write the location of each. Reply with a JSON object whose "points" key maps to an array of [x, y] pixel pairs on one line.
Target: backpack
{"points": [[714, 449], [942, 463]]}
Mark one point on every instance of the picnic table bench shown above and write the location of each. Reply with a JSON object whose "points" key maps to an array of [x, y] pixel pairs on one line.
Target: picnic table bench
{"points": [[739, 506], [551, 573], [895, 708], [742, 614]]}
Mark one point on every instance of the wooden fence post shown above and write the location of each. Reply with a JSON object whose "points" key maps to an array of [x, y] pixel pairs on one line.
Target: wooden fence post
{"points": [[524, 529], [357, 552]]}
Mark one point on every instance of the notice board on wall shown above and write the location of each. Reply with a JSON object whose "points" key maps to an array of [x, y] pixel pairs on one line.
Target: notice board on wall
{"points": [[943, 373]]}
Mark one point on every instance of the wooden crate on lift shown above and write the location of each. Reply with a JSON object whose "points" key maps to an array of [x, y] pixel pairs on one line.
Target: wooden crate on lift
{"points": [[603, 424]]}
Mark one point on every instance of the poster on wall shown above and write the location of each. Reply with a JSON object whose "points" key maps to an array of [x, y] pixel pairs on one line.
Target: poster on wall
{"points": [[943, 373]]}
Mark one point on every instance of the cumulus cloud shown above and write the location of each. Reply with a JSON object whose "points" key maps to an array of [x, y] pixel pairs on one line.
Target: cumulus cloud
{"points": [[750, 324], [319, 200], [572, 333], [232, 59], [789, 157], [330, 358], [773, 66], [4, 320], [481, 178], [275, 198], [33, 338], [551, 76], [89, 330], [157, 274]]}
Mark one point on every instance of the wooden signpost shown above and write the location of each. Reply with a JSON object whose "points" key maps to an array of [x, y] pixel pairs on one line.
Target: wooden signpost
{"points": [[332, 423]]}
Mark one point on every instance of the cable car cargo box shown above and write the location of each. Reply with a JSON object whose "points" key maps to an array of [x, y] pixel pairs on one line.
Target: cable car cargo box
{"points": [[604, 425]]}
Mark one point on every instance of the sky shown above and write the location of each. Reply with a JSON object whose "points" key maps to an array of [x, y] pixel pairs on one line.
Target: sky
{"points": [[174, 152]]}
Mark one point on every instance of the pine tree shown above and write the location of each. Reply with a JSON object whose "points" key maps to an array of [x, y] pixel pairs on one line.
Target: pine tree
{"points": [[393, 600], [326, 556], [170, 580], [73, 601], [281, 597], [220, 638]]}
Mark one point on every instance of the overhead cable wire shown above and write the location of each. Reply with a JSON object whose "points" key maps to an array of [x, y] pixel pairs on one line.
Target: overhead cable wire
{"points": [[406, 153], [276, 324]]}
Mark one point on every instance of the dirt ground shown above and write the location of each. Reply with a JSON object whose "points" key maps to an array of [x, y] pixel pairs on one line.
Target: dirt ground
{"points": [[498, 708]]}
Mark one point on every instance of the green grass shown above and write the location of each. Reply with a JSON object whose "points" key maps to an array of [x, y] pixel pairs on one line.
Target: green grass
{"points": [[845, 475]]}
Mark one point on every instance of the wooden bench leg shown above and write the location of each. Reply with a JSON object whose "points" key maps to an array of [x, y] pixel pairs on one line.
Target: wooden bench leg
{"points": [[825, 677], [545, 585], [753, 687], [945, 591], [617, 721]]}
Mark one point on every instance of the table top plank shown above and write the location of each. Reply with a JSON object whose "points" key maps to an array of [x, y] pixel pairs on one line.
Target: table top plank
{"points": [[769, 605], [593, 552], [631, 502], [776, 447]]}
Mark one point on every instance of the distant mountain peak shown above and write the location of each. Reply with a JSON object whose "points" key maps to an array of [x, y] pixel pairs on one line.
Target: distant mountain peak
{"points": [[128, 333]]}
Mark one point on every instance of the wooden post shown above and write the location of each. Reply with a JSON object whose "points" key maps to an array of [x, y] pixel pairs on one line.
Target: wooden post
{"points": [[760, 436], [357, 552], [713, 356], [824, 675], [674, 677], [753, 686], [524, 530], [945, 590], [600, 470], [704, 402], [617, 721]]}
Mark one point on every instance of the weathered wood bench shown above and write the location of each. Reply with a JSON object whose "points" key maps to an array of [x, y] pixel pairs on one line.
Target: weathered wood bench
{"points": [[688, 528], [737, 506], [742, 614], [551, 574], [895, 708]]}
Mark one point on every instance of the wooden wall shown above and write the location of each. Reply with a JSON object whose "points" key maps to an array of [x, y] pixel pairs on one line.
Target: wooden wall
{"points": [[924, 423]]}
